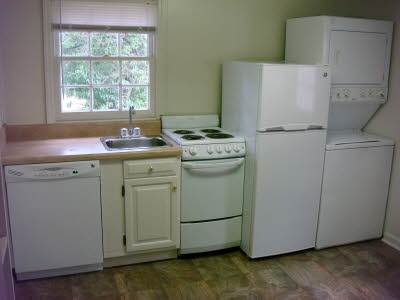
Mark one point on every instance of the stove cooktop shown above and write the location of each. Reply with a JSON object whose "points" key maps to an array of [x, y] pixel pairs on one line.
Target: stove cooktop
{"points": [[196, 136]]}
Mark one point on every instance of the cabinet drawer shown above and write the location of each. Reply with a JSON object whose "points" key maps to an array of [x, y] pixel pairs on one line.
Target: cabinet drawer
{"points": [[150, 167]]}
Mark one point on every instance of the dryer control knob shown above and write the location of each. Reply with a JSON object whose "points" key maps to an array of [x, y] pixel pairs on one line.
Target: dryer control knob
{"points": [[219, 149], [193, 151]]}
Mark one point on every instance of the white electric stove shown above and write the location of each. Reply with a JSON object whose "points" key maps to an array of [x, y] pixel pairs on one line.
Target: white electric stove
{"points": [[211, 182]]}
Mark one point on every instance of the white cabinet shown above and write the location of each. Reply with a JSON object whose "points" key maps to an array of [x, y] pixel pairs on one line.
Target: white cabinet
{"points": [[151, 208], [140, 209]]}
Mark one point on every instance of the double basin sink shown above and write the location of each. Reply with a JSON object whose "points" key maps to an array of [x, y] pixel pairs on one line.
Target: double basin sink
{"points": [[133, 143]]}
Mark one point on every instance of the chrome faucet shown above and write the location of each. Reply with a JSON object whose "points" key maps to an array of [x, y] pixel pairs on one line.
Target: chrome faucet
{"points": [[132, 111], [132, 131]]}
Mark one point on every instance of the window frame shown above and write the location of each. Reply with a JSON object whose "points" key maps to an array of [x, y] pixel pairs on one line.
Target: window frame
{"points": [[53, 69]]}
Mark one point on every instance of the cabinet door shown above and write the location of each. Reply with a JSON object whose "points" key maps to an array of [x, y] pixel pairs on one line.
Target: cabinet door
{"points": [[152, 213], [358, 57]]}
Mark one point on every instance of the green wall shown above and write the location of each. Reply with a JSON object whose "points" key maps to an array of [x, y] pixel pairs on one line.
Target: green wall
{"points": [[195, 37], [198, 35]]}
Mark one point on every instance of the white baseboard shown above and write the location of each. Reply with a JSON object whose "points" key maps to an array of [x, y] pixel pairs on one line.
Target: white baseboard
{"points": [[391, 240]]}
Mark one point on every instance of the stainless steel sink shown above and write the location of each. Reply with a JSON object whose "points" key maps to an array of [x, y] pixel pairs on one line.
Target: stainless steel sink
{"points": [[119, 143]]}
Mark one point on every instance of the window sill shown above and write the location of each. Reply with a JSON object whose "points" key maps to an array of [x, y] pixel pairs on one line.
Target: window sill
{"points": [[100, 116]]}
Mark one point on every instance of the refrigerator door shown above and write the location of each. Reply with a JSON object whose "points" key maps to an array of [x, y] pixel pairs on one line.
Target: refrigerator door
{"points": [[287, 191], [293, 97]]}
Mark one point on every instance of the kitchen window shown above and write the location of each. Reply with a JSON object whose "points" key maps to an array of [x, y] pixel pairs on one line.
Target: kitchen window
{"points": [[99, 59]]}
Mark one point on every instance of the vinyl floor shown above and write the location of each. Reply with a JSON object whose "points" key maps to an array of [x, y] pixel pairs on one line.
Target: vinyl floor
{"points": [[368, 270]]}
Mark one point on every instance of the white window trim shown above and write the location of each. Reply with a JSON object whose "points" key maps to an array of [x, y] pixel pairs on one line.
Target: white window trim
{"points": [[52, 85]]}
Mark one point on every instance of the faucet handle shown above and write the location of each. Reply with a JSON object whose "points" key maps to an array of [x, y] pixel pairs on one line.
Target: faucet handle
{"points": [[136, 131], [124, 132]]}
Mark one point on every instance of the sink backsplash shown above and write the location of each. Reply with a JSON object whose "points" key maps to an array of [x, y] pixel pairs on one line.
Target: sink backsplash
{"points": [[74, 130]]}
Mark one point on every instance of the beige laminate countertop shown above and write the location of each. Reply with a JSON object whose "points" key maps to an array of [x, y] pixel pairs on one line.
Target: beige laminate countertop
{"points": [[74, 149]]}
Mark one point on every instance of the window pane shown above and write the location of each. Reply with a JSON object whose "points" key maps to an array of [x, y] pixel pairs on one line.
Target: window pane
{"points": [[75, 99], [105, 98], [104, 44], [134, 44], [75, 72], [105, 72], [135, 72], [137, 96], [74, 43]]}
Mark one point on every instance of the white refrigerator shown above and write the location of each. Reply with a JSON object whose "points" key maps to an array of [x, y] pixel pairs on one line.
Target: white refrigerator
{"points": [[282, 111]]}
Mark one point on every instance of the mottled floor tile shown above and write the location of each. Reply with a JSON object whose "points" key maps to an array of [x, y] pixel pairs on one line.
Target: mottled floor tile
{"points": [[303, 271], [137, 277], [248, 265], [301, 293], [370, 288], [369, 270], [48, 288], [94, 285], [390, 279], [274, 279], [152, 294], [253, 293], [190, 291], [335, 262], [229, 286], [366, 257], [385, 250], [216, 267], [174, 272]]}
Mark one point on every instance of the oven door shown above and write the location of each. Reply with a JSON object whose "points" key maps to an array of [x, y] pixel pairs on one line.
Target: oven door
{"points": [[212, 189]]}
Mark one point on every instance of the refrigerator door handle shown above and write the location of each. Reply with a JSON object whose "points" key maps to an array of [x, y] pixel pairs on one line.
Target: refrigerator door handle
{"points": [[292, 127]]}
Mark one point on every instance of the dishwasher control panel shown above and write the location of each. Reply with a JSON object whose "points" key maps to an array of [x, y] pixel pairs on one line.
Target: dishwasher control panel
{"points": [[52, 171], [55, 172]]}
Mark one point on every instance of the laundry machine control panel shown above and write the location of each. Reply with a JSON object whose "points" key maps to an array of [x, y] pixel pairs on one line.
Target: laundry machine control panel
{"points": [[342, 94]]}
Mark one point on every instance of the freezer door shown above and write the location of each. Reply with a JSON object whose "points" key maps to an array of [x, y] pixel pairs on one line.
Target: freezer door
{"points": [[293, 97], [287, 192]]}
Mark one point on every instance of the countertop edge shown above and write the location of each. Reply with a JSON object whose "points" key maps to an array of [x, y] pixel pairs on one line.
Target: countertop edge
{"points": [[100, 154]]}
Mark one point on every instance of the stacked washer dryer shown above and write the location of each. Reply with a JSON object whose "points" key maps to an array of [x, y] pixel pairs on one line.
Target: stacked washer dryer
{"points": [[357, 165]]}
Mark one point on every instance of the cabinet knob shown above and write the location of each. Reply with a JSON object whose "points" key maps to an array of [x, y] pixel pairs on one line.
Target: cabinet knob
{"points": [[174, 188], [151, 169]]}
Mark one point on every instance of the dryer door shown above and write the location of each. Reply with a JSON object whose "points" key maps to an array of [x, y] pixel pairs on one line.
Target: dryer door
{"points": [[358, 57]]}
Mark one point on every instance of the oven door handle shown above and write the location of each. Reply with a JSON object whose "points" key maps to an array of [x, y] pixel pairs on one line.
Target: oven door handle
{"points": [[235, 163]]}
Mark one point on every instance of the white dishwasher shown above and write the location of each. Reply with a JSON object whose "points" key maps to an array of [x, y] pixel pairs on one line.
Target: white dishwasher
{"points": [[55, 217]]}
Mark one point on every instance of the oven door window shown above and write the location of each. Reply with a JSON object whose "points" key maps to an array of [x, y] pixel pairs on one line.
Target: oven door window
{"points": [[212, 189]]}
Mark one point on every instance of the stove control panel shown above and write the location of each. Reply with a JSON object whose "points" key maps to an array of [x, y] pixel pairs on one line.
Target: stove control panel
{"points": [[197, 152]]}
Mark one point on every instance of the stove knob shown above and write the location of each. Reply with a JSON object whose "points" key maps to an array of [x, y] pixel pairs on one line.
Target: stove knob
{"points": [[219, 149], [236, 148], [228, 148], [210, 149], [193, 151]]}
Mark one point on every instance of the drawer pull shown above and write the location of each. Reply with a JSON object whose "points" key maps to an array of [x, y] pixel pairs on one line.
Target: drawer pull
{"points": [[151, 169], [174, 188]]}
